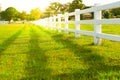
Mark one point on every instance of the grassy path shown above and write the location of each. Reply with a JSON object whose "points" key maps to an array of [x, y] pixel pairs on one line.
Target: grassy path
{"points": [[29, 52]]}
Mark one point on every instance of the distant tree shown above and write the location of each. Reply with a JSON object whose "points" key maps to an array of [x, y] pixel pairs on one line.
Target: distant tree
{"points": [[3, 15], [56, 8], [0, 16], [23, 15], [10, 13], [107, 14], [35, 14], [76, 4], [29, 18], [116, 12], [53, 9], [48, 12], [65, 8]]}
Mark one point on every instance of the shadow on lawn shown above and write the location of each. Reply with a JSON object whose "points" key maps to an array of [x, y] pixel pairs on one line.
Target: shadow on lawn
{"points": [[10, 40], [97, 66], [37, 60]]}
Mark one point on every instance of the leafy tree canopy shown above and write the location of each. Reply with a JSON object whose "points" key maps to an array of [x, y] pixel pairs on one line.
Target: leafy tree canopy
{"points": [[35, 14], [10, 13], [116, 11], [76, 4], [23, 15]]}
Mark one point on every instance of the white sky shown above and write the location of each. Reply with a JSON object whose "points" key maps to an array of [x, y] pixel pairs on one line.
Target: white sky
{"points": [[27, 5]]}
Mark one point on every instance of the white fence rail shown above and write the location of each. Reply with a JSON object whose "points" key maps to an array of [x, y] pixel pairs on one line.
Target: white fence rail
{"points": [[97, 21], [3, 22]]}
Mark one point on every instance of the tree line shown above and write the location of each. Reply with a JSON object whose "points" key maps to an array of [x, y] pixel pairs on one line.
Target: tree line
{"points": [[13, 14], [53, 9]]}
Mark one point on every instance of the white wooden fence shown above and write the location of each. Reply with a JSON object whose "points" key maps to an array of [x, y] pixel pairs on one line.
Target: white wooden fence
{"points": [[3, 22], [97, 21]]}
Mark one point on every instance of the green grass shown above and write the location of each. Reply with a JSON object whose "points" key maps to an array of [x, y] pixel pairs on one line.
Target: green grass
{"points": [[30, 52], [109, 29]]}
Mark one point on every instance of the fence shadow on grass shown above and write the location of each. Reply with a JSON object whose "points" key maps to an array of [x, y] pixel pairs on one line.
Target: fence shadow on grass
{"points": [[90, 57], [10, 40], [98, 68], [36, 60]]}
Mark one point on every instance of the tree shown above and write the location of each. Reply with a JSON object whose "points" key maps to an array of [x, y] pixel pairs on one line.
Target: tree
{"points": [[10, 13], [3, 15], [0, 16], [65, 8], [48, 12], [53, 9], [76, 4], [107, 14], [116, 12], [23, 15], [35, 14]]}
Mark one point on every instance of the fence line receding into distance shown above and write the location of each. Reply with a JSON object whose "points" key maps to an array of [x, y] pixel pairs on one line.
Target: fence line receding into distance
{"points": [[97, 21]]}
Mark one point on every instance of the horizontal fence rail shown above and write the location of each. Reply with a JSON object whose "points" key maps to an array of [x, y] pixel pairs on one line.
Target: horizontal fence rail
{"points": [[97, 21], [3, 22]]}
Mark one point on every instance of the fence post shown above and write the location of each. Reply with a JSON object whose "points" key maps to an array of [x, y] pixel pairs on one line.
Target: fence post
{"points": [[46, 22], [51, 23], [97, 27], [77, 25], [59, 22], [54, 24], [66, 23]]}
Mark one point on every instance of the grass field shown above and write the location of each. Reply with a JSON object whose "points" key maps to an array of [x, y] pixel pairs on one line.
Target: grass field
{"points": [[30, 52]]}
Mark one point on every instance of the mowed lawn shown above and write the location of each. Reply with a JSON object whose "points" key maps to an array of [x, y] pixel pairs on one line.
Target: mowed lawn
{"points": [[30, 52]]}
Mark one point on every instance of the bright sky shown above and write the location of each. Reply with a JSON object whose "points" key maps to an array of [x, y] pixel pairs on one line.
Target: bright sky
{"points": [[27, 5]]}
